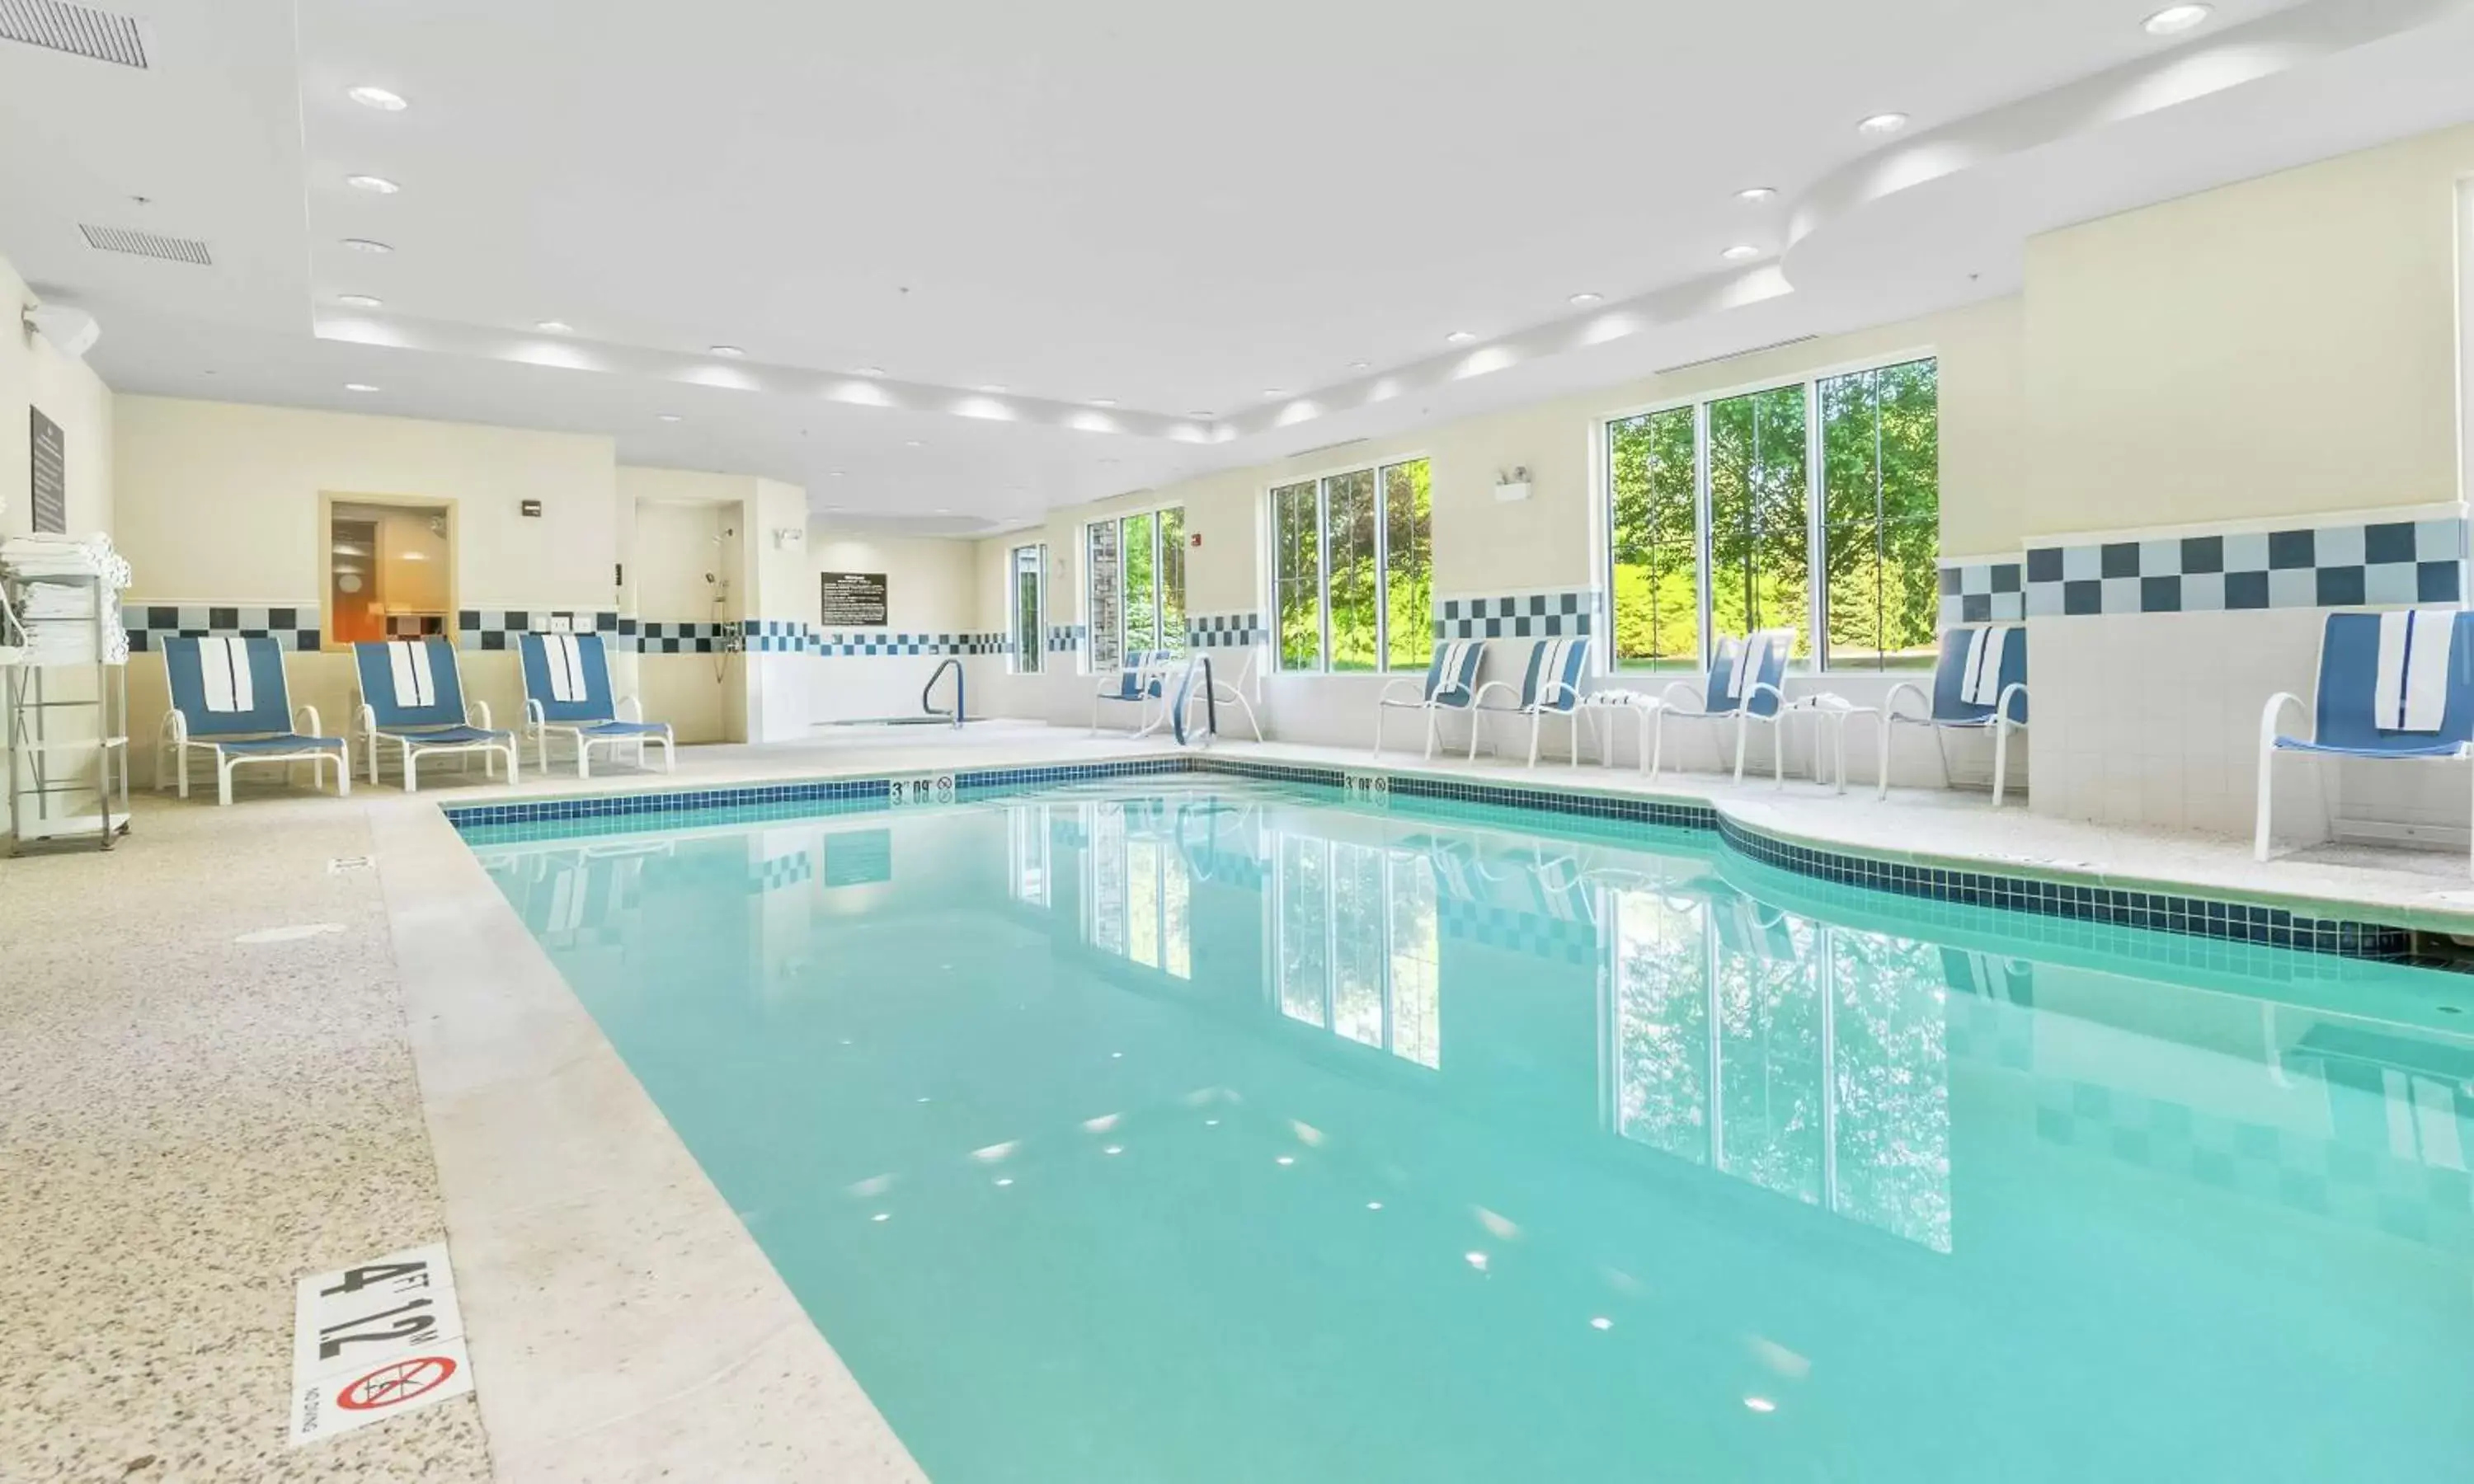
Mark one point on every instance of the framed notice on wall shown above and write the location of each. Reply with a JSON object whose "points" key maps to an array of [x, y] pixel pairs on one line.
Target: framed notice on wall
{"points": [[51, 475], [852, 600]]}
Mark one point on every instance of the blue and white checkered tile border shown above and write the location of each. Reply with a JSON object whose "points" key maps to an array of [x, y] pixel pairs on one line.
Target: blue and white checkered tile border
{"points": [[1982, 589], [775, 636], [291, 625], [496, 628], [1065, 639], [1224, 630], [1554, 613], [2235, 922], [2336, 565], [839, 644]]}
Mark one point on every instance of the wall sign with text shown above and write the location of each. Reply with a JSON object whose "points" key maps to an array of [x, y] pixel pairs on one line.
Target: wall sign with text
{"points": [[51, 474], [852, 600]]}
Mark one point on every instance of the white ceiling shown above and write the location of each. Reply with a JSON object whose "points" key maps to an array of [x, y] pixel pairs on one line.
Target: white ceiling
{"points": [[1170, 208]]}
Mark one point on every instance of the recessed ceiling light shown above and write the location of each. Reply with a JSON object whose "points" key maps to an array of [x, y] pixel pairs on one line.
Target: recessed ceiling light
{"points": [[871, 371], [360, 300], [2173, 18], [1740, 252], [732, 351], [378, 98], [1273, 392], [1754, 195], [366, 245], [1103, 401], [942, 510], [358, 386], [1460, 336], [833, 473], [1202, 412], [1882, 124], [1586, 297], [993, 391], [912, 442], [1359, 365], [376, 184], [669, 416], [554, 326]]}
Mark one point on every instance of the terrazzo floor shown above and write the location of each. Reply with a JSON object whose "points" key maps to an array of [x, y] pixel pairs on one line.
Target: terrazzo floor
{"points": [[192, 1123]]}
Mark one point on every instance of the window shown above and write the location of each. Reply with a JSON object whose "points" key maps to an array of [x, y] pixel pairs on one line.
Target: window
{"points": [[1026, 583], [1721, 520], [1135, 586], [1354, 569], [1657, 545], [390, 572], [1030, 850], [1880, 505]]}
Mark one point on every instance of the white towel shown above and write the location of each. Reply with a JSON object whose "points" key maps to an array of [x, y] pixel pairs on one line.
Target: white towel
{"points": [[1983, 686], [414, 686], [223, 667], [2410, 691], [1447, 679], [1730, 668], [566, 666]]}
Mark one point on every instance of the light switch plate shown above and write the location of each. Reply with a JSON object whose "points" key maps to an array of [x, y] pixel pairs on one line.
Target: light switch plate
{"points": [[562, 623]]}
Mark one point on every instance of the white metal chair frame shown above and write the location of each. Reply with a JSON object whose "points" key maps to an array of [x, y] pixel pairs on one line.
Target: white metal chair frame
{"points": [[173, 748], [1228, 692], [1748, 665], [1417, 699], [1152, 672], [477, 715], [1892, 718], [1550, 690], [538, 731]]}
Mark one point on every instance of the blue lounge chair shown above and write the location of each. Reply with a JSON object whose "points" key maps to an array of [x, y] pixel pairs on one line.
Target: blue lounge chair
{"points": [[411, 695], [228, 701], [1741, 685], [567, 691], [1550, 686], [1973, 688], [1450, 686], [1140, 681], [2354, 718]]}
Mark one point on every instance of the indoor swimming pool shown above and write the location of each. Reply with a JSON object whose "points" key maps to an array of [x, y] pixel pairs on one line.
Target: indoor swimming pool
{"points": [[1200, 1130]]}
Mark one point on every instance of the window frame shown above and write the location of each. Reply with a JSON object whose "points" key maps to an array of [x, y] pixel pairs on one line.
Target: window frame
{"points": [[1320, 479], [1083, 574], [1038, 636], [1816, 615]]}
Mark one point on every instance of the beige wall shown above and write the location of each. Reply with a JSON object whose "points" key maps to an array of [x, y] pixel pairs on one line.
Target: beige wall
{"points": [[2285, 346], [219, 501], [34, 374]]}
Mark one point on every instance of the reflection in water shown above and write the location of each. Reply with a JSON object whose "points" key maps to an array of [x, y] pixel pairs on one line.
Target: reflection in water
{"points": [[1138, 888], [1028, 853], [1355, 946], [1808, 1059]]}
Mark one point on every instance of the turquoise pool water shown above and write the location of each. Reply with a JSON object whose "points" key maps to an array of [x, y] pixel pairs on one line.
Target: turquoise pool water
{"points": [[1205, 1132]]}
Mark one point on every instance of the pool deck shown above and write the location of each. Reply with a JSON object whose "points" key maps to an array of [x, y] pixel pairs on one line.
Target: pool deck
{"points": [[195, 1122]]}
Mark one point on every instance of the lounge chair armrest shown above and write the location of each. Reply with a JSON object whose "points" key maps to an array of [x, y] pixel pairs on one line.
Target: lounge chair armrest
{"points": [[1546, 701], [480, 708], [628, 708], [1506, 686], [1417, 688], [1754, 689], [369, 720], [1687, 690], [2015, 691], [175, 727], [1890, 703], [2268, 714], [534, 714], [310, 727]]}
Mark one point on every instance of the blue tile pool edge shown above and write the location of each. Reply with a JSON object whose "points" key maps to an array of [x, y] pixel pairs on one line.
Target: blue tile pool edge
{"points": [[2219, 917]]}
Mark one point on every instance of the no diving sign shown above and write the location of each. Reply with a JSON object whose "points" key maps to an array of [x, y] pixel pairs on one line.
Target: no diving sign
{"points": [[373, 1340]]}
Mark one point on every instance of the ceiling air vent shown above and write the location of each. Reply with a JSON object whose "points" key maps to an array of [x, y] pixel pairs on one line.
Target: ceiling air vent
{"points": [[79, 30], [171, 250]]}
